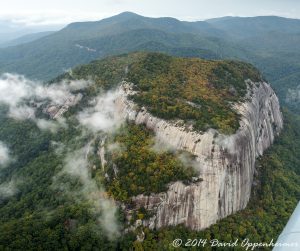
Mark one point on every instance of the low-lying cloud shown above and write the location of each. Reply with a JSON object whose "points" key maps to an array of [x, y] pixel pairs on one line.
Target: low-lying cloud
{"points": [[16, 88], [187, 159], [24, 96], [8, 189], [76, 165], [101, 117], [104, 114], [4, 155], [293, 95], [50, 125]]}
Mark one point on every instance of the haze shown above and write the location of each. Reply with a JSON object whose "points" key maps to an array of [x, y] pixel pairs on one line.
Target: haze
{"points": [[57, 12]]}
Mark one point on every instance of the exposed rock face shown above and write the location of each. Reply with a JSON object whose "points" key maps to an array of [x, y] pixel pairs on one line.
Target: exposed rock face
{"points": [[56, 111], [101, 153], [226, 163]]}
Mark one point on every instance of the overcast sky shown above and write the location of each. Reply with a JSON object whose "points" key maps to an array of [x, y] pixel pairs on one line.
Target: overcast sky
{"points": [[41, 12]]}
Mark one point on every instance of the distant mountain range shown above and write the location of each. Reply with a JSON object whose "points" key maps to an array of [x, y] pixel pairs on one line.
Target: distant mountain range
{"points": [[10, 31], [271, 43], [25, 39]]}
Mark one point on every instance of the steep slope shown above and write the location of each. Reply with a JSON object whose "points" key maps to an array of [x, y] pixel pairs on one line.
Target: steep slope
{"points": [[80, 43], [248, 39], [83, 162], [25, 39], [246, 27], [275, 194], [273, 45], [225, 163]]}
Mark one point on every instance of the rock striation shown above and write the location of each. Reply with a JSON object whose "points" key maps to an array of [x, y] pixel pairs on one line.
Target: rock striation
{"points": [[225, 163]]}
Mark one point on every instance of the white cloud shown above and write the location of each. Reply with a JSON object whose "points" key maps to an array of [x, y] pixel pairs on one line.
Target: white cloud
{"points": [[76, 164], [50, 17], [186, 158], [14, 88], [8, 189], [4, 155], [50, 125], [59, 92], [103, 116], [17, 92], [21, 112]]}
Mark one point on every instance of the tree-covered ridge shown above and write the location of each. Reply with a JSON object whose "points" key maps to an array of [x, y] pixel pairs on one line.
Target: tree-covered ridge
{"points": [[198, 91], [49, 208], [49, 211], [40, 215], [247, 39]]}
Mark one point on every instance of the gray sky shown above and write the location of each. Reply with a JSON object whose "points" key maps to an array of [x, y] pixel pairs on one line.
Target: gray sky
{"points": [[45, 12]]}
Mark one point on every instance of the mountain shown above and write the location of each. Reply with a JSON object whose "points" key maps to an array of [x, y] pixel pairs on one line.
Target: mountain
{"points": [[129, 151], [133, 151], [10, 30], [26, 39], [247, 27], [273, 46], [82, 42], [270, 43]]}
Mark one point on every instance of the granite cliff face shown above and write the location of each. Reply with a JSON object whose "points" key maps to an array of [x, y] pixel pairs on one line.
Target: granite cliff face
{"points": [[225, 163]]}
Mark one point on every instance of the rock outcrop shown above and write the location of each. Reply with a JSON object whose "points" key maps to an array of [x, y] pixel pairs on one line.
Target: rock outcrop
{"points": [[226, 163], [56, 111]]}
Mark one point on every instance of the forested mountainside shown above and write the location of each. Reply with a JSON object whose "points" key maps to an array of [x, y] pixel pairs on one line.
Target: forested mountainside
{"points": [[25, 39], [171, 88], [270, 43], [73, 163]]}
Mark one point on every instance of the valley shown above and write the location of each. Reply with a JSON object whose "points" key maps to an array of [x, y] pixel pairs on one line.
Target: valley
{"points": [[129, 132]]}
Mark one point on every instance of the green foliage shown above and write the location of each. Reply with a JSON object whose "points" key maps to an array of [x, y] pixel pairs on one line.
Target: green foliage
{"points": [[192, 90], [196, 91], [247, 39], [273, 200], [234, 73], [40, 215], [141, 170]]}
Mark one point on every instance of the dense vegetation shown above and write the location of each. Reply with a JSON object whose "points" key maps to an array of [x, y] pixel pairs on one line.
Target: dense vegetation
{"points": [[40, 215], [46, 210], [141, 169], [247, 39], [40, 218], [274, 197], [199, 92]]}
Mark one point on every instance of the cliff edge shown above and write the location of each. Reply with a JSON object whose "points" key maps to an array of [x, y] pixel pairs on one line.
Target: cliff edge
{"points": [[226, 162]]}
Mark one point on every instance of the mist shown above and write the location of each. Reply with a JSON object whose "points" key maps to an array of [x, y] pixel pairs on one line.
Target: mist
{"points": [[76, 165], [8, 189], [23, 97], [4, 155], [100, 118], [103, 115]]}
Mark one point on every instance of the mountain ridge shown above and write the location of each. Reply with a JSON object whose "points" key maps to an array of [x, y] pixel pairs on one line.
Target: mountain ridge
{"points": [[248, 39], [65, 164]]}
